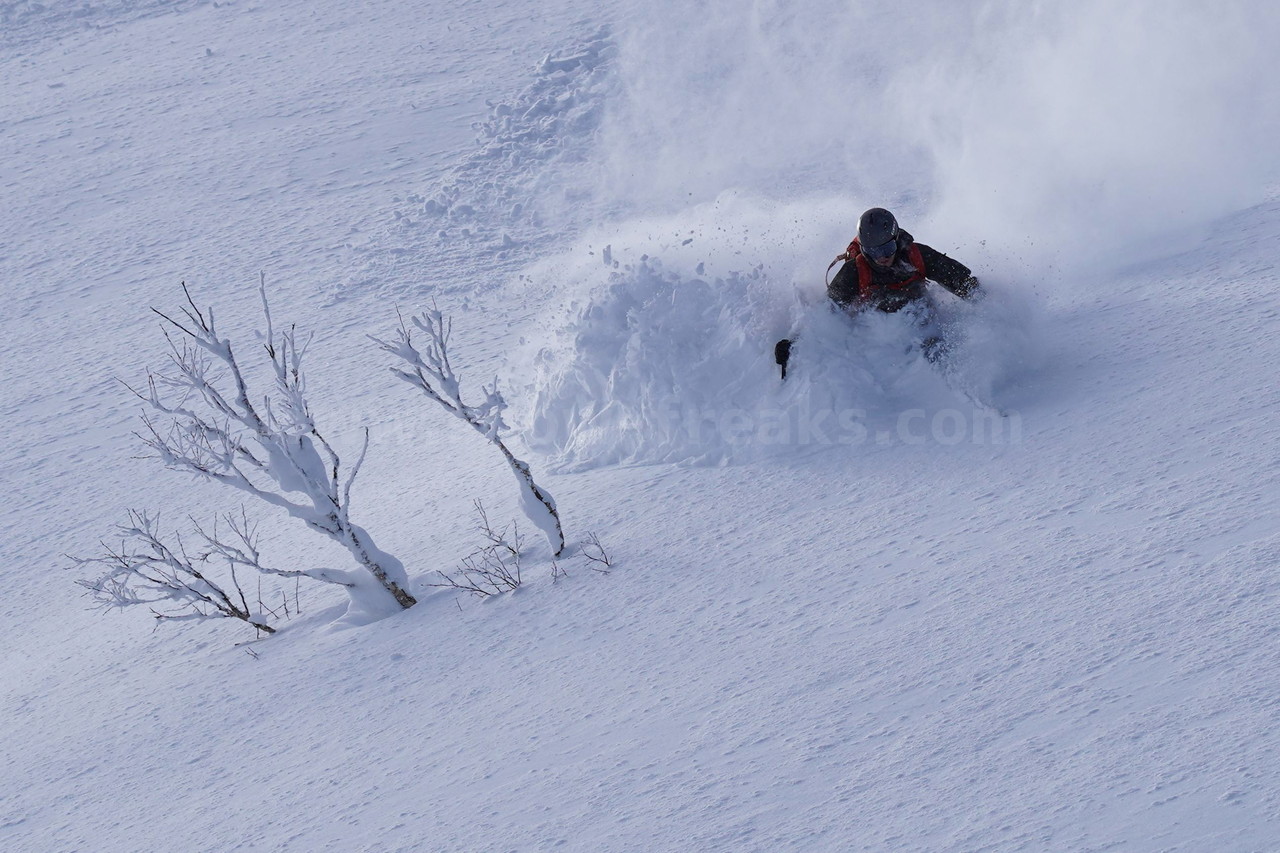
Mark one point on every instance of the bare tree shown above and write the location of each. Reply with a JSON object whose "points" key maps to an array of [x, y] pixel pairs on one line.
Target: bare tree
{"points": [[267, 446], [495, 566], [595, 554], [432, 373], [179, 585]]}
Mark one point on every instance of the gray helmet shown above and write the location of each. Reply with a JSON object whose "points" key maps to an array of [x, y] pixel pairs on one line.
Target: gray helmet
{"points": [[878, 233]]}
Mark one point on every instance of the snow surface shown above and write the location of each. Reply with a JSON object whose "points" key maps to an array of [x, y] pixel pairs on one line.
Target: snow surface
{"points": [[863, 610]]}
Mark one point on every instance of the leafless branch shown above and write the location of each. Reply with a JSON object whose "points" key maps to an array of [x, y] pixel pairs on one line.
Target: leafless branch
{"points": [[147, 570], [494, 567], [596, 554], [431, 372], [204, 421]]}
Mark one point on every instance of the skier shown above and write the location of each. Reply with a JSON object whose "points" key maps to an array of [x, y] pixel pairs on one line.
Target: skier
{"points": [[886, 269]]}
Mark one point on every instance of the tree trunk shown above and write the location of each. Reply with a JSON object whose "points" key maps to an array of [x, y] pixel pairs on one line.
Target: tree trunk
{"points": [[373, 559]]}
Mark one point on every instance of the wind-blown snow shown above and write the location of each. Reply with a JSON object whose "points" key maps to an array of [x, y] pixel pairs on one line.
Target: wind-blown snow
{"points": [[1026, 606], [1059, 132], [663, 346]]}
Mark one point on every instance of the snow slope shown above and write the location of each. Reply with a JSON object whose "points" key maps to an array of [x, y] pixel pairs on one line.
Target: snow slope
{"points": [[859, 611]]}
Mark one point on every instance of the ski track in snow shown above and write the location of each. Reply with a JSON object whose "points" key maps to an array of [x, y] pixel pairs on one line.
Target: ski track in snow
{"points": [[517, 194], [957, 632]]}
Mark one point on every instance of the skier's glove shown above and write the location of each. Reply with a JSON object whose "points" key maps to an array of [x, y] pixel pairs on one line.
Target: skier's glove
{"points": [[782, 354], [970, 289]]}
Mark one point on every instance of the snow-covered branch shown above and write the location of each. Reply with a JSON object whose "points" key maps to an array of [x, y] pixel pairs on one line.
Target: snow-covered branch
{"points": [[430, 371], [159, 572], [207, 421]]}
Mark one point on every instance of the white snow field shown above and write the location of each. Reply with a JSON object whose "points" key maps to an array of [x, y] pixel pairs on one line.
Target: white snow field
{"points": [[1032, 604]]}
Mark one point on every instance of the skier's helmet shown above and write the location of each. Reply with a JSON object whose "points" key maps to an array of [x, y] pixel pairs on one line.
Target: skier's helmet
{"points": [[878, 233]]}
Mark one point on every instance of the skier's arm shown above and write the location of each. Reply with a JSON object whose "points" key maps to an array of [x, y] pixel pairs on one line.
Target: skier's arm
{"points": [[948, 272], [843, 289]]}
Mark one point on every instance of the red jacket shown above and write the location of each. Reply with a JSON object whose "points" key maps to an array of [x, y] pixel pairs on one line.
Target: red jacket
{"points": [[859, 283], [869, 289]]}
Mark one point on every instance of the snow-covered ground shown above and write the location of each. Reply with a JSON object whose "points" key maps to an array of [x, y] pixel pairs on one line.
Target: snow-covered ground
{"points": [[1028, 606]]}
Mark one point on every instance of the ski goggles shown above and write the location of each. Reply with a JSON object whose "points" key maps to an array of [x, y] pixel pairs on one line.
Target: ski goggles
{"points": [[884, 250]]}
